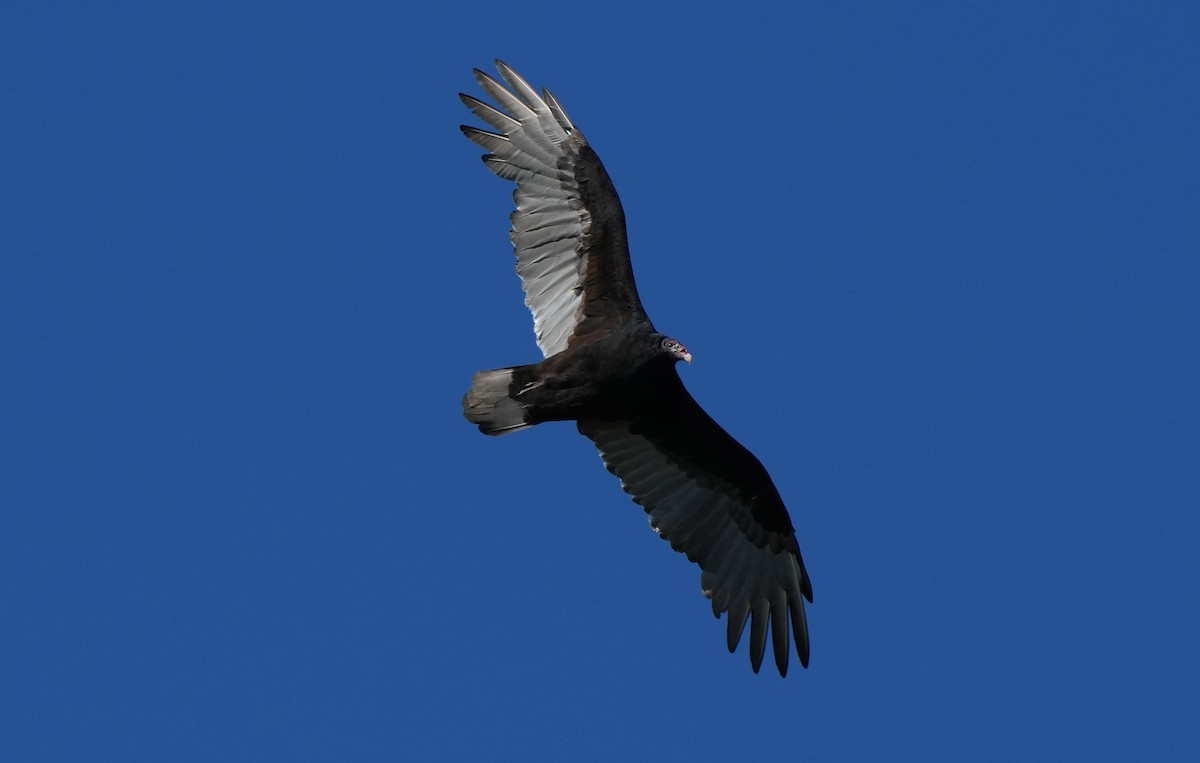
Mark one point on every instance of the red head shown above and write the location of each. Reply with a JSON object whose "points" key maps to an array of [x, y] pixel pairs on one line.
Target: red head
{"points": [[675, 349]]}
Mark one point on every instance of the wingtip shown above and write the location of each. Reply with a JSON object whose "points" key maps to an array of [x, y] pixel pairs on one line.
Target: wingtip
{"points": [[483, 78], [508, 73], [755, 661]]}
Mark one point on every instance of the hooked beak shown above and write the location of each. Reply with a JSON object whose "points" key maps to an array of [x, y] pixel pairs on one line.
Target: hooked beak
{"points": [[686, 356]]}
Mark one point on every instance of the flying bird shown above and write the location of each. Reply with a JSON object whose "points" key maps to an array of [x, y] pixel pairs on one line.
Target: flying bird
{"points": [[609, 370]]}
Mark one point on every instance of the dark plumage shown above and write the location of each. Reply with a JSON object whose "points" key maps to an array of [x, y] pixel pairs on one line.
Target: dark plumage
{"points": [[609, 370]]}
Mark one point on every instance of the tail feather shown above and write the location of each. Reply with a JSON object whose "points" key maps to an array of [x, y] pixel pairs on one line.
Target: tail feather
{"points": [[488, 404]]}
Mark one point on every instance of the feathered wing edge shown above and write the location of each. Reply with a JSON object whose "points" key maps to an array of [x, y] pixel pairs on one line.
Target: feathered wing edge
{"points": [[705, 518], [532, 145], [568, 228]]}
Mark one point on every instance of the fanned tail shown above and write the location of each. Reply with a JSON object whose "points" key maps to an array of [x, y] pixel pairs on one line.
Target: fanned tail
{"points": [[489, 405]]}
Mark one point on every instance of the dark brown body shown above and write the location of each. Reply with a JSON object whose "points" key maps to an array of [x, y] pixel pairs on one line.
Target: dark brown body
{"points": [[612, 377]]}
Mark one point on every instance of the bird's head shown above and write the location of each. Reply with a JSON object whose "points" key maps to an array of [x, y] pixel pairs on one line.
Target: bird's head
{"points": [[676, 350]]}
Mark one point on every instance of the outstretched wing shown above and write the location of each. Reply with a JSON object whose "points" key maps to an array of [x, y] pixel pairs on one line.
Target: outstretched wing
{"points": [[714, 501], [568, 230]]}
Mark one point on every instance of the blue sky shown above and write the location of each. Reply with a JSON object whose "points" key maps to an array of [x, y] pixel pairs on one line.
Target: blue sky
{"points": [[938, 264]]}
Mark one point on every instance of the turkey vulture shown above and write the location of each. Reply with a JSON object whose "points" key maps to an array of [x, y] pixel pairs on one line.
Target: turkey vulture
{"points": [[610, 371]]}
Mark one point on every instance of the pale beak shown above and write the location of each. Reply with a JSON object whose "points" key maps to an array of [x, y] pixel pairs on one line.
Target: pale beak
{"points": [[687, 356]]}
